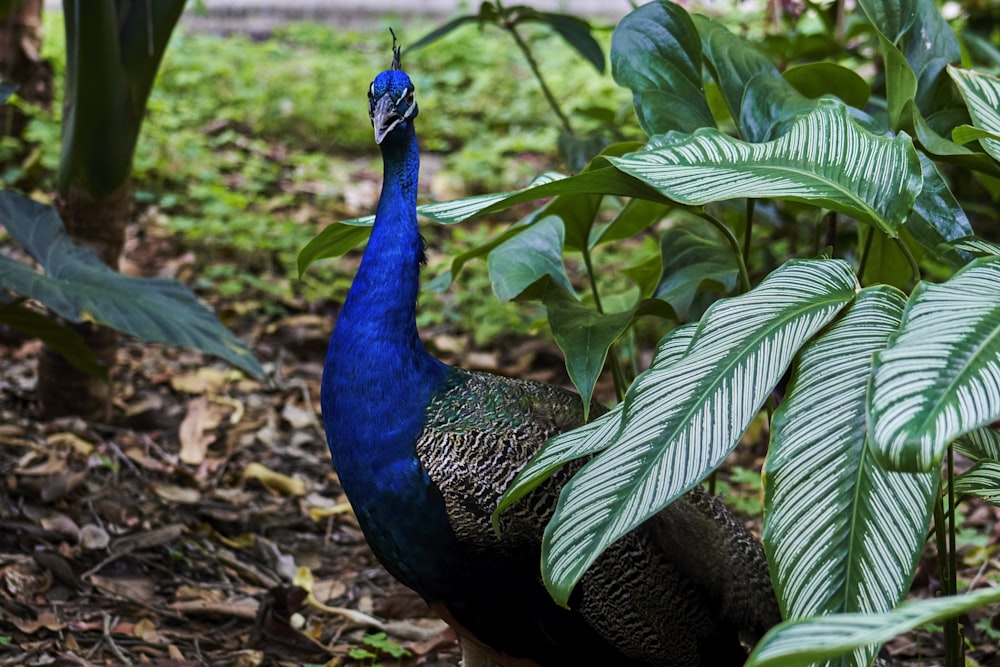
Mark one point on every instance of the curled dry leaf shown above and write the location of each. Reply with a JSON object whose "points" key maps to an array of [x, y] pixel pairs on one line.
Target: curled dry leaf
{"points": [[202, 417], [283, 484]]}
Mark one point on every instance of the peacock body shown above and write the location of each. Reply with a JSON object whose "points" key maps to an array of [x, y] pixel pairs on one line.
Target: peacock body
{"points": [[424, 451]]}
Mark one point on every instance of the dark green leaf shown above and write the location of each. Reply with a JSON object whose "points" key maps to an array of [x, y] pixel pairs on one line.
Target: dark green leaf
{"points": [[532, 255], [656, 53], [937, 217], [585, 336], [439, 32], [738, 67], [890, 17], [693, 261], [63, 340], [979, 444], [826, 78], [78, 286], [635, 216], [576, 32]]}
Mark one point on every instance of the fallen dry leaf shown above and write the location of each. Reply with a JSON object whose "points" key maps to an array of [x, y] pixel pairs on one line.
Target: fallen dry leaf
{"points": [[283, 484], [202, 381], [202, 416]]}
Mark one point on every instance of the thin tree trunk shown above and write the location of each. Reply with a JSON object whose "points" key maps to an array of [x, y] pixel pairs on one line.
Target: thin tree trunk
{"points": [[62, 388], [21, 62]]}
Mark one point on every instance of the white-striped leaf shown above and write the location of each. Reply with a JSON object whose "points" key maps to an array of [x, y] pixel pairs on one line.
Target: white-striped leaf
{"points": [[682, 419], [825, 159], [802, 642], [841, 533], [981, 93], [979, 444], [977, 246], [592, 437], [940, 377], [982, 481]]}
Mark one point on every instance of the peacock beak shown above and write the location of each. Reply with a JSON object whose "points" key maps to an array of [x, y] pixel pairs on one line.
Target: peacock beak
{"points": [[384, 117]]}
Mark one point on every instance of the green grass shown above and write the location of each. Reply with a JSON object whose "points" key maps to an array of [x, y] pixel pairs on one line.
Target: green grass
{"points": [[249, 148]]}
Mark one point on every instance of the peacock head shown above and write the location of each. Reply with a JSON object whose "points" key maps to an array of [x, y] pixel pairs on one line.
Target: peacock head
{"points": [[390, 99]]}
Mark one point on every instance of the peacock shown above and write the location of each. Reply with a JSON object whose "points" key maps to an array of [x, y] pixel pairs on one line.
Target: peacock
{"points": [[424, 451]]}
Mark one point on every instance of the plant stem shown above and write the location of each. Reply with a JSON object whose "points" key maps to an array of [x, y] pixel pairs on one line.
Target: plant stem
{"points": [[733, 243], [511, 27], [617, 374], [864, 256], [748, 230], [911, 260], [951, 636], [953, 633]]}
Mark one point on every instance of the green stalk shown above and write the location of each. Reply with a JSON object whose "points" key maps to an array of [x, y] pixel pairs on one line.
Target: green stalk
{"points": [[951, 636], [733, 243], [910, 259], [617, 374], [863, 264], [511, 27], [952, 631], [748, 230]]}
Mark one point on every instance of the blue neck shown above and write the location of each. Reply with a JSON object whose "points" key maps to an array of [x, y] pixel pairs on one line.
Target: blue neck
{"points": [[378, 377]]}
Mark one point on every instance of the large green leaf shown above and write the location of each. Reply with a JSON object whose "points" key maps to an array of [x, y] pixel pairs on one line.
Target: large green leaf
{"points": [[527, 258], [825, 159], [825, 78], [681, 420], [78, 286], [693, 259], [656, 53], [937, 217], [841, 533], [571, 28], [759, 99], [590, 438], [801, 642], [892, 18], [940, 377], [584, 335], [981, 93]]}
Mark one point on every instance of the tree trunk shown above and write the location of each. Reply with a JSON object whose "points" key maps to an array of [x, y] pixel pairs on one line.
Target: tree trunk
{"points": [[21, 62], [62, 388]]}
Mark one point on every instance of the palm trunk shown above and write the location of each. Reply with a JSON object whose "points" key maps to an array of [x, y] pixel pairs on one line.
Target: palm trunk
{"points": [[21, 61], [64, 389]]}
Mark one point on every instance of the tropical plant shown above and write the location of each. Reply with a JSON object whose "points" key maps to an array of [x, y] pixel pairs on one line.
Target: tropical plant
{"points": [[113, 51], [574, 148], [849, 263]]}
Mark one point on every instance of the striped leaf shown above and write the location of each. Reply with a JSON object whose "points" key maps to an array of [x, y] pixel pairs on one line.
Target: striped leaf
{"points": [[982, 481], [592, 437], [940, 377], [801, 642], [681, 419], [841, 533], [977, 246], [981, 93], [979, 444], [825, 159]]}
